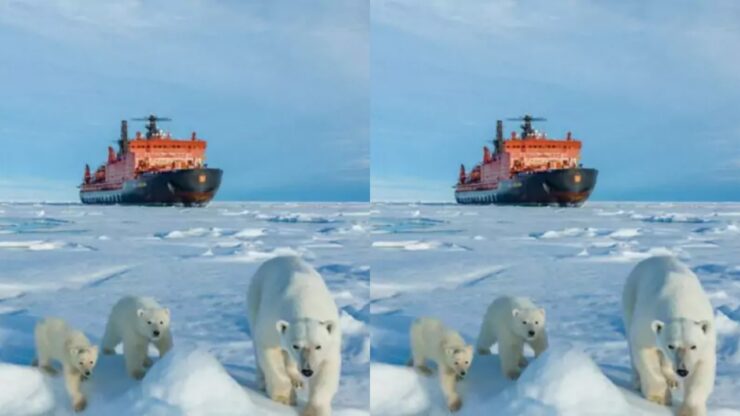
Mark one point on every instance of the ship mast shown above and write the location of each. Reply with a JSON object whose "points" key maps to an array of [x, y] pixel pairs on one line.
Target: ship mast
{"points": [[123, 141], [498, 144]]}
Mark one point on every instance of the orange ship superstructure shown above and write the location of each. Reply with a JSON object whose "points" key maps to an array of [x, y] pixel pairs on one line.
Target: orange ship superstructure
{"points": [[527, 169], [152, 169]]}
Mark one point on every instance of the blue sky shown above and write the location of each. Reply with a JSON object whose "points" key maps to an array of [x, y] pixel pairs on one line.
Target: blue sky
{"points": [[653, 89], [279, 88]]}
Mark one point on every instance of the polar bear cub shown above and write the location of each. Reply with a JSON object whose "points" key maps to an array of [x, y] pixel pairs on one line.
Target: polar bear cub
{"points": [[669, 323], [432, 340], [55, 340], [294, 324], [512, 322], [137, 321]]}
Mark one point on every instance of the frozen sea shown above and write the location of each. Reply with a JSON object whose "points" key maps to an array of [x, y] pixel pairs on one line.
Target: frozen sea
{"points": [[450, 262], [75, 262]]}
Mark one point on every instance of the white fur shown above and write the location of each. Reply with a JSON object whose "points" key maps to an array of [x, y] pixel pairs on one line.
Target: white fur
{"points": [[291, 312], [510, 322], [666, 313], [432, 340], [57, 341], [135, 321]]}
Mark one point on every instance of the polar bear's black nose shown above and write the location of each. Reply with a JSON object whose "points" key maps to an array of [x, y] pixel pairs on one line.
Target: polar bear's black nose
{"points": [[531, 333], [87, 373], [462, 373], [307, 372], [156, 333], [682, 372]]}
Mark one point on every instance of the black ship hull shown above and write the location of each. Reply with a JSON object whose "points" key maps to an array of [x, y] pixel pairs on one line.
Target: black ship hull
{"points": [[564, 187], [189, 187]]}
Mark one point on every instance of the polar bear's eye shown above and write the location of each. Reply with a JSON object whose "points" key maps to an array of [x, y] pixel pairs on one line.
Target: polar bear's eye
{"points": [[467, 362], [536, 322], [693, 347], [295, 347], [670, 347], [318, 347], [161, 322], [149, 322], [524, 322]]}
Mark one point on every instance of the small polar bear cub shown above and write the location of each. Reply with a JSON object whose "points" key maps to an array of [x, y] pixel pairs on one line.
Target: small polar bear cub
{"points": [[512, 322], [294, 324], [55, 340], [669, 323], [137, 321], [431, 340]]}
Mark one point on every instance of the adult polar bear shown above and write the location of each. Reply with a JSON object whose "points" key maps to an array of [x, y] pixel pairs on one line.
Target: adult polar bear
{"points": [[295, 328], [670, 328]]}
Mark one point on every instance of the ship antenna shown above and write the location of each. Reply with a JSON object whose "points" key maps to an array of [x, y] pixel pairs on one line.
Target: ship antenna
{"points": [[527, 129], [151, 125]]}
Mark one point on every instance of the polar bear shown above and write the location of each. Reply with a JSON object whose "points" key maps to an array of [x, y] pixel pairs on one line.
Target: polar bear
{"points": [[669, 323], [432, 340], [137, 321], [56, 340], [294, 324], [512, 322]]}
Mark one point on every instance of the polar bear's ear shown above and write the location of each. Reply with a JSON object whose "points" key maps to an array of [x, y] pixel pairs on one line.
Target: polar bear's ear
{"points": [[705, 325], [657, 326], [282, 326], [140, 313], [515, 312], [330, 326]]}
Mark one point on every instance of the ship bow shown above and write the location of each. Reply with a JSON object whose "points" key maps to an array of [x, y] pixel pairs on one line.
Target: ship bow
{"points": [[193, 186], [566, 186]]}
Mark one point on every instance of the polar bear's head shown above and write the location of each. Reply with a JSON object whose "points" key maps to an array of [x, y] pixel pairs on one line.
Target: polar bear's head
{"points": [[153, 322], [528, 323], [458, 359], [83, 359], [308, 342], [683, 342]]}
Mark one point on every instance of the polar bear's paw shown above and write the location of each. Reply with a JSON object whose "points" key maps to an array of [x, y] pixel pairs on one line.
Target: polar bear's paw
{"points": [[296, 382], [282, 399], [672, 381], [660, 399], [687, 410], [80, 404], [309, 411], [423, 369], [49, 370], [138, 374], [513, 374], [455, 404]]}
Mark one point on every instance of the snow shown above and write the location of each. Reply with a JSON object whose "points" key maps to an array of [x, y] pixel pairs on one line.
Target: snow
{"points": [[181, 379], [24, 392], [571, 261], [198, 262]]}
